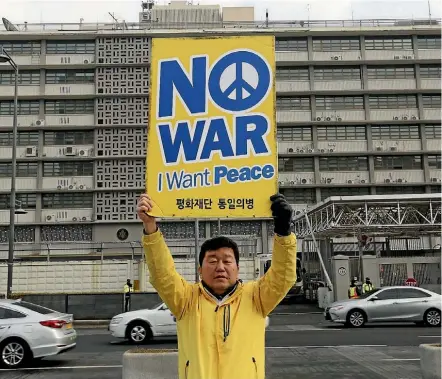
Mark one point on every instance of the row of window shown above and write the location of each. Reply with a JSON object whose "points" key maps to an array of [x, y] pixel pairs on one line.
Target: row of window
{"points": [[306, 164], [337, 133], [357, 102], [298, 133], [357, 163], [355, 73], [354, 43], [282, 44], [293, 196], [308, 195], [52, 77]]}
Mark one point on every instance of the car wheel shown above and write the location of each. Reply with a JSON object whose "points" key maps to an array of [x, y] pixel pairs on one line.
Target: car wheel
{"points": [[139, 332], [14, 353], [432, 317], [356, 318]]}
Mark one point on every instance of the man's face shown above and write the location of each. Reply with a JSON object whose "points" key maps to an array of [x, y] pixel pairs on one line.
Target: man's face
{"points": [[219, 270]]}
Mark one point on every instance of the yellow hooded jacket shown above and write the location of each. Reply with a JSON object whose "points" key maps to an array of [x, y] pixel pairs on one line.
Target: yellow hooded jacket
{"points": [[221, 339]]}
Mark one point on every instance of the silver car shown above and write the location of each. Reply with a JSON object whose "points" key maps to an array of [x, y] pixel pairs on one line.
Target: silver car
{"points": [[30, 331], [388, 304]]}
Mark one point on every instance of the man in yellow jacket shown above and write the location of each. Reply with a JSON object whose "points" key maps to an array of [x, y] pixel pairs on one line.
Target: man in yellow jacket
{"points": [[221, 321]]}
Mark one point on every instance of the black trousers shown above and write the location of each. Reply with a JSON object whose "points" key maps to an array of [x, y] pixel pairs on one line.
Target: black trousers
{"points": [[126, 303]]}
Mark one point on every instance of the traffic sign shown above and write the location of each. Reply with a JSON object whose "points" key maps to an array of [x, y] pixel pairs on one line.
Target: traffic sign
{"points": [[411, 282]]}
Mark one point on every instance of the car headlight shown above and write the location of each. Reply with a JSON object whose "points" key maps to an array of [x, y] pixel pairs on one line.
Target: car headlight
{"points": [[116, 320], [337, 308]]}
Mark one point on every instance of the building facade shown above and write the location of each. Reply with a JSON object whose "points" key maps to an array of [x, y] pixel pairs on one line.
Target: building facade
{"points": [[358, 113]]}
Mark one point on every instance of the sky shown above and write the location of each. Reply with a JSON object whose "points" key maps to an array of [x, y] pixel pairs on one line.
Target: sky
{"points": [[49, 11]]}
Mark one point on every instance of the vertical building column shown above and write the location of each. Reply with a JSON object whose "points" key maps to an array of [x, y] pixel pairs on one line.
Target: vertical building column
{"points": [[264, 237]]}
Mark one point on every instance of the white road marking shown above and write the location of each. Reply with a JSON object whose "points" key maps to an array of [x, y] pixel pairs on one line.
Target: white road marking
{"points": [[401, 359], [321, 346], [301, 330], [299, 313], [62, 368]]}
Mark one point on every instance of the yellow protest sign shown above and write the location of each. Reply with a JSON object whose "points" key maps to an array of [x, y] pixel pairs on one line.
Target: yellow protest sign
{"points": [[211, 136]]}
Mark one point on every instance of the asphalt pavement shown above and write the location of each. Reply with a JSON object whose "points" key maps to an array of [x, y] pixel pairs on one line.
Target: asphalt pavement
{"points": [[299, 345]]}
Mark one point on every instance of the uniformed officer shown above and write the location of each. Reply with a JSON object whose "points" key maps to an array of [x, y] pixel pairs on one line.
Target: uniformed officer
{"points": [[128, 289], [368, 286], [353, 291]]}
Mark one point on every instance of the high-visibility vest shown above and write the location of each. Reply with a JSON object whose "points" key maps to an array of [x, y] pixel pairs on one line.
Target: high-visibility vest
{"points": [[353, 293], [127, 289], [368, 287]]}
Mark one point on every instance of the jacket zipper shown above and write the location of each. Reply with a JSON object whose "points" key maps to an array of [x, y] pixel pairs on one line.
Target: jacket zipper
{"points": [[186, 370], [256, 367]]}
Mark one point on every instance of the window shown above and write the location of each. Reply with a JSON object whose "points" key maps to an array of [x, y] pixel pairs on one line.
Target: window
{"points": [[24, 169], [336, 133], [291, 44], [431, 101], [392, 102], [390, 43], [67, 200], [433, 131], [21, 47], [80, 137], [23, 138], [27, 200], [24, 78], [405, 162], [434, 161], [431, 71], [296, 165], [339, 102], [297, 133], [300, 195], [69, 76], [343, 164], [343, 191], [34, 307], [387, 294], [25, 107], [400, 190], [6, 313], [411, 293], [69, 106], [395, 132], [68, 169], [337, 73], [292, 103], [286, 73], [400, 72], [435, 189], [71, 47], [336, 44], [428, 42]]}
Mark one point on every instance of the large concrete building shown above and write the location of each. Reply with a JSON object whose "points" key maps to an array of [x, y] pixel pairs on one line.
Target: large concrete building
{"points": [[358, 112]]}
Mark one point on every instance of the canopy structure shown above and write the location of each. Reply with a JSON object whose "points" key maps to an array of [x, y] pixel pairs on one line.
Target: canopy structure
{"points": [[375, 215]]}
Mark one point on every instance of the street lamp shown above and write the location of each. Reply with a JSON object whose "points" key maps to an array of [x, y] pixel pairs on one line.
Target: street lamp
{"points": [[6, 58]]}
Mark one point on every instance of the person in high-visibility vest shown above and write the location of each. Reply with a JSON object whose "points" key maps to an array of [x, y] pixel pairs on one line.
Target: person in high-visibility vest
{"points": [[128, 288], [353, 291], [368, 286]]}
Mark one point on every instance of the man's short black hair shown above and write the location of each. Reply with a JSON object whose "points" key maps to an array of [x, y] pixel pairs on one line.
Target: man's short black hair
{"points": [[218, 243]]}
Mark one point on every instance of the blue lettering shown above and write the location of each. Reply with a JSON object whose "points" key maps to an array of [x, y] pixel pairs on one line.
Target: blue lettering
{"points": [[182, 143], [217, 139], [255, 135], [185, 180], [243, 174], [192, 91]]}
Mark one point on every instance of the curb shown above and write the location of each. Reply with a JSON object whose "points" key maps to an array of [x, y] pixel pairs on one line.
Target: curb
{"points": [[89, 324]]}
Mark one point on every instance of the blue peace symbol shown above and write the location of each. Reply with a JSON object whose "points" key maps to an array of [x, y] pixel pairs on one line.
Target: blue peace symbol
{"points": [[239, 84]]}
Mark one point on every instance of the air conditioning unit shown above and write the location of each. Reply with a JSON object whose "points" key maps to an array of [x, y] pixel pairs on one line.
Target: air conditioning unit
{"points": [[59, 187], [397, 57], [393, 148], [70, 151], [292, 182], [81, 187], [87, 61], [310, 150], [322, 150], [396, 118], [301, 151], [349, 181], [339, 118], [83, 153], [331, 150], [39, 122], [378, 148], [329, 180], [405, 118], [290, 150], [408, 57], [387, 181], [362, 181], [319, 118], [328, 118], [281, 183], [303, 181], [413, 117], [31, 151], [51, 217], [434, 180], [84, 218], [336, 57], [74, 219], [71, 187], [400, 180]]}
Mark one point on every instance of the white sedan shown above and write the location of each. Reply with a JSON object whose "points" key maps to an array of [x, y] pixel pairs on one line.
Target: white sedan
{"points": [[143, 325]]}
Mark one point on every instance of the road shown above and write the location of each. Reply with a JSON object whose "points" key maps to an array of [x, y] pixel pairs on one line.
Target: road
{"points": [[298, 345]]}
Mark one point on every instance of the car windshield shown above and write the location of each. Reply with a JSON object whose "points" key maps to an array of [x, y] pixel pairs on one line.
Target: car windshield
{"points": [[155, 306], [367, 294], [34, 307]]}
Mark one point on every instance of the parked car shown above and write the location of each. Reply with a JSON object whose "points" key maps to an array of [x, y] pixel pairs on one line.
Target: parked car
{"points": [[29, 331], [143, 325], [388, 304]]}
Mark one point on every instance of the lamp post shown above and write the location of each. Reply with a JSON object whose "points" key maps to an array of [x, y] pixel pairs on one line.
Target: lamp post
{"points": [[6, 58]]}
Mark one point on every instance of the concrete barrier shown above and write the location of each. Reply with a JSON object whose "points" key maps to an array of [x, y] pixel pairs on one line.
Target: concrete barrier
{"points": [[430, 355], [150, 364]]}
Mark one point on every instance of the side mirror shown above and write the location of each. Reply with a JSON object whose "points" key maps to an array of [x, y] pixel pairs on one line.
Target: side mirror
{"points": [[374, 298]]}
